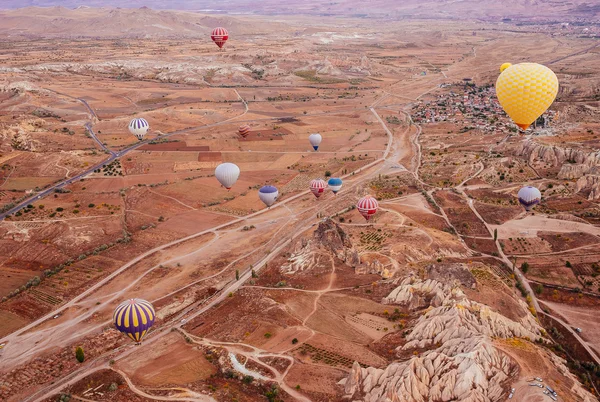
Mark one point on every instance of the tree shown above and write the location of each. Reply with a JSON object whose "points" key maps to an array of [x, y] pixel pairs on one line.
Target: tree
{"points": [[79, 354], [294, 341], [495, 234], [237, 274], [327, 173], [568, 264], [254, 274], [525, 267], [539, 288]]}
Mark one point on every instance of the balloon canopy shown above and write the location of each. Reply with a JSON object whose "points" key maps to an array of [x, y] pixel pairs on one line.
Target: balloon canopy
{"points": [[219, 36], [139, 127], [134, 317], [526, 91]]}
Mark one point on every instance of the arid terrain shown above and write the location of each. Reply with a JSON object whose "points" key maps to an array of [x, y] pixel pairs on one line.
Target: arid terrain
{"points": [[451, 292]]}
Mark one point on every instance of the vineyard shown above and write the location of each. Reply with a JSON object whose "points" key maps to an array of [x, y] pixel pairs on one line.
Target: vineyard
{"points": [[326, 356], [45, 297], [367, 322], [373, 241]]}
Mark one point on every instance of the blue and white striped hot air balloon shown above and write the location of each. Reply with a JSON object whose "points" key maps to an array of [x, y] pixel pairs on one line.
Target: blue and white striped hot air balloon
{"points": [[227, 174], [315, 139], [529, 197], [268, 195], [139, 127], [134, 317], [335, 184]]}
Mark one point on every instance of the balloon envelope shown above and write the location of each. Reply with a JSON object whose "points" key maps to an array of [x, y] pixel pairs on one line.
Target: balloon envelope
{"points": [[139, 127], [219, 36], [504, 66], [268, 195], [317, 187], [335, 184], [315, 139], [134, 317], [529, 197], [227, 174], [526, 91], [244, 130], [367, 206]]}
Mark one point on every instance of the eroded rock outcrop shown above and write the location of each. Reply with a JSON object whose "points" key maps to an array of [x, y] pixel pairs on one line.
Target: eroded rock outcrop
{"points": [[328, 236], [574, 164], [464, 364], [460, 370]]}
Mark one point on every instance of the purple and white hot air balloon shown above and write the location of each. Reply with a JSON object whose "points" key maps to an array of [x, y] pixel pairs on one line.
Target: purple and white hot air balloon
{"points": [[139, 127], [529, 197], [268, 195]]}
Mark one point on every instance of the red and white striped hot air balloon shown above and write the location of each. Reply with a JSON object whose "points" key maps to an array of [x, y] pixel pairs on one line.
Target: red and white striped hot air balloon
{"points": [[367, 206], [219, 36], [244, 130], [317, 187]]}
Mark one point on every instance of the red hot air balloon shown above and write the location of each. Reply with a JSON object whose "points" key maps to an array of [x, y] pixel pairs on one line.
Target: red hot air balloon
{"points": [[317, 187], [244, 130], [219, 36], [367, 206]]}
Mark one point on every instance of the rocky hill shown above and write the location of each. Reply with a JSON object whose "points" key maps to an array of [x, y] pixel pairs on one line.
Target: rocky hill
{"points": [[573, 164], [516, 9], [454, 352]]}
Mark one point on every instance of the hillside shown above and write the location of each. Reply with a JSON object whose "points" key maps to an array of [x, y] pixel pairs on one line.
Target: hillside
{"points": [[117, 22], [516, 9]]}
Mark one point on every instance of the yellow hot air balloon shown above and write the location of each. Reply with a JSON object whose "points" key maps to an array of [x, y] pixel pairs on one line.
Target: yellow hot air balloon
{"points": [[526, 91], [504, 66]]}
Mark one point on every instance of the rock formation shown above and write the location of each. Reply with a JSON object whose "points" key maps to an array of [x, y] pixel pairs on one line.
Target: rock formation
{"points": [[574, 164], [464, 364], [328, 236]]}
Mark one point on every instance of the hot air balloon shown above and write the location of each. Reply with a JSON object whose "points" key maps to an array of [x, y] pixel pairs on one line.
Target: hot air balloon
{"points": [[335, 184], [227, 174], [219, 36], [529, 197], [504, 66], [134, 317], [139, 127], [526, 91], [315, 139], [317, 187], [367, 206], [268, 195], [244, 130]]}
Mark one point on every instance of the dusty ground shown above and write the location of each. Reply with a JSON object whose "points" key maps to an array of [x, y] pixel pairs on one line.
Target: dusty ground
{"points": [[158, 221]]}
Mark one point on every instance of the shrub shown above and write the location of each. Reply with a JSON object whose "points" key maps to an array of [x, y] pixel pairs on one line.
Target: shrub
{"points": [[79, 354], [268, 335], [568, 264], [525, 267], [113, 387], [539, 288], [59, 209], [294, 341], [92, 206], [247, 379], [327, 173]]}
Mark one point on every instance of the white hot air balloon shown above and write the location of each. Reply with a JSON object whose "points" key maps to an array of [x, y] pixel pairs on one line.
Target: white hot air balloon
{"points": [[139, 127], [227, 174], [268, 195], [529, 197], [315, 139]]}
